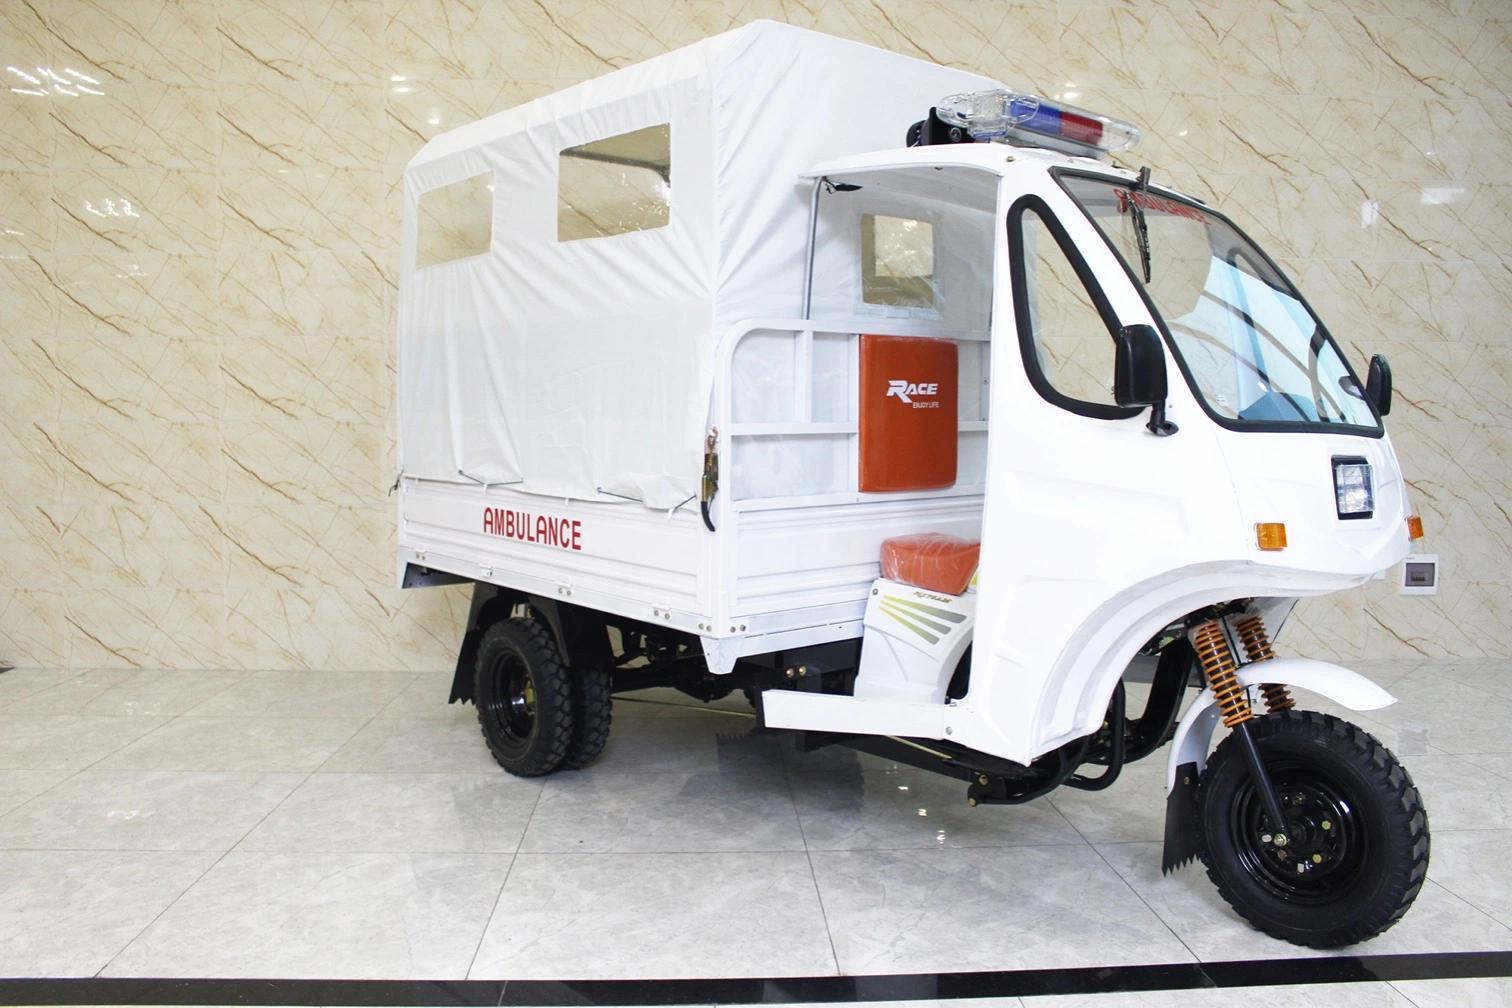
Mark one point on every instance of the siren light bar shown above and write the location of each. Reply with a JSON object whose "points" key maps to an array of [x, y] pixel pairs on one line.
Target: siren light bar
{"points": [[1029, 120]]}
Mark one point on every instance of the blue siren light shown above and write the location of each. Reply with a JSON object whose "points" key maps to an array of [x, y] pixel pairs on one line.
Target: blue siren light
{"points": [[1029, 120]]}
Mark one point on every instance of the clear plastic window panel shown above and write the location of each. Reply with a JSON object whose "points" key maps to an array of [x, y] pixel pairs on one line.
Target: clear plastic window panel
{"points": [[454, 221], [1073, 347], [764, 380], [834, 377], [616, 185], [897, 261], [783, 466]]}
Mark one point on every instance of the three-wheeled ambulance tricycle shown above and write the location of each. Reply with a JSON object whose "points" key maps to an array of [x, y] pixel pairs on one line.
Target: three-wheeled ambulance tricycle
{"points": [[693, 352]]}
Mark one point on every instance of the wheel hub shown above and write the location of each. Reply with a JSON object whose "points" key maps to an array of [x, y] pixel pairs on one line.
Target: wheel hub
{"points": [[1318, 850]]}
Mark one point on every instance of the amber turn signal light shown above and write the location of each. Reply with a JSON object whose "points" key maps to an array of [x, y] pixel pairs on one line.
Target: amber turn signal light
{"points": [[1270, 535], [1414, 527]]}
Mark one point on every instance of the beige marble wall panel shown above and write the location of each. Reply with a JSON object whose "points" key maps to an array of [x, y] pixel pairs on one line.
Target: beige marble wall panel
{"points": [[199, 205], [308, 546], [137, 126], [292, 209], [342, 628], [102, 381], [134, 40], [147, 628], [305, 378], [26, 218], [29, 537], [294, 40], [280, 124], [28, 301], [30, 461], [126, 547], [26, 126], [139, 461], [135, 210], [306, 462], [303, 293], [28, 379], [36, 629], [133, 295]]}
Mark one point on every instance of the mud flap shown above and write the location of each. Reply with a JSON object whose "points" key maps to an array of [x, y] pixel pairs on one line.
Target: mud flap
{"points": [[1181, 820]]}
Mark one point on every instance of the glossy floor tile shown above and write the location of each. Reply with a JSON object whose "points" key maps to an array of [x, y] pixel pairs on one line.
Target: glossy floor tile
{"points": [[905, 911], [235, 743], [650, 812], [64, 914], [400, 812], [657, 915], [323, 915], [354, 825], [146, 810]]}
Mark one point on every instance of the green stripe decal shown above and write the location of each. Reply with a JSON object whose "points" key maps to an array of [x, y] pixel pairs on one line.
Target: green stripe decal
{"points": [[897, 615], [939, 628], [936, 611]]}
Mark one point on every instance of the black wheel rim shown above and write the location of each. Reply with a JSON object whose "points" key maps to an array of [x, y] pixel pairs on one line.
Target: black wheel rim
{"points": [[1326, 847], [511, 708]]}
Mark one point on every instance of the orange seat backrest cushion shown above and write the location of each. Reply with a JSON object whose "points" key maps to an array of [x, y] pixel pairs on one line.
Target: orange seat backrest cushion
{"points": [[931, 560], [908, 428]]}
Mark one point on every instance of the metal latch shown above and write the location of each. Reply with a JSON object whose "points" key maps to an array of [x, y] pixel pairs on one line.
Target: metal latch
{"points": [[710, 485]]}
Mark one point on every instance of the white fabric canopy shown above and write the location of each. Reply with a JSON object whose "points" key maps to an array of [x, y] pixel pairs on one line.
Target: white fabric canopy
{"points": [[584, 368]]}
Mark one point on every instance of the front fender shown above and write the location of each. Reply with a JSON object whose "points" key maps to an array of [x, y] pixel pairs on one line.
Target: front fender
{"points": [[1345, 688]]}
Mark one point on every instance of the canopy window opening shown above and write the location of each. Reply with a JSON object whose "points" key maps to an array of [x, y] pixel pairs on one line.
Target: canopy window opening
{"points": [[1253, 350], [897, 261], [455, 221], [616, 185]]}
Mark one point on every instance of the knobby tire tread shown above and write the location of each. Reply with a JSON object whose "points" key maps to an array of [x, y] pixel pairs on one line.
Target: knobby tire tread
{"points": [[593, 709], [553, 687], [1408, 819]]}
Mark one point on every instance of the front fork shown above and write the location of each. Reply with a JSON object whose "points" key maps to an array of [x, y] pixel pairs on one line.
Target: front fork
{"points": [[1214, 643]]}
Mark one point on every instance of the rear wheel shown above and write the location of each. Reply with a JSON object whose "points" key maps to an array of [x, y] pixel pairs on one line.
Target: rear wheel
{"points": [[1354, 851], [592, 710], [523, 693]]}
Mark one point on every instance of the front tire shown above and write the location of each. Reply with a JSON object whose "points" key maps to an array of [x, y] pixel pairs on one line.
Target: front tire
{"points": [[523, 693], [1356, 851]]}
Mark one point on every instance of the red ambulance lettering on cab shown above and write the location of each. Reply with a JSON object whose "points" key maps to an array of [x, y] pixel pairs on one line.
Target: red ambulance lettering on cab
{"points": [[540, 529]]}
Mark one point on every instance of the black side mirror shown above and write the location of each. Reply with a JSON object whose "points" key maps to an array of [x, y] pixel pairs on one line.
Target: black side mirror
{"points": [[1139, 374], [1378, 384]]}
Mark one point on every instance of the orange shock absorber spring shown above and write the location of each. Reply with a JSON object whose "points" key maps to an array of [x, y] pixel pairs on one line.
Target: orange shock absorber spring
{"points": [[1256, 642], [1220, 668]]}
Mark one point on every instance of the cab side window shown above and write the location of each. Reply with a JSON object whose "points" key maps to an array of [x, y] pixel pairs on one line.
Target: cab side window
{"points": [[1065, 324]]}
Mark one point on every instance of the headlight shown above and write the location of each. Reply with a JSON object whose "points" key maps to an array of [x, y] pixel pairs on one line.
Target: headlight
{"points": [[1354, 490]]}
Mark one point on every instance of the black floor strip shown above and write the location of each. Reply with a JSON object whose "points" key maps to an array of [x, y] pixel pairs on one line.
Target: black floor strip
{"points": [[784, 990]]}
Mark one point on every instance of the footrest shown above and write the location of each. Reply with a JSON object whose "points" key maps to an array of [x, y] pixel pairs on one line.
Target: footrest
{"points": [[851, 715]]}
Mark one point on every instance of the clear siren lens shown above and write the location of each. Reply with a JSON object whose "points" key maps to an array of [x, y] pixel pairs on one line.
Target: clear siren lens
{"points": [[1028, 119]]}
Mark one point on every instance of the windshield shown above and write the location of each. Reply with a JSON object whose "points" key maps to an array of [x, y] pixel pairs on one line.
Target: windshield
{"points": [[1250, 347]]}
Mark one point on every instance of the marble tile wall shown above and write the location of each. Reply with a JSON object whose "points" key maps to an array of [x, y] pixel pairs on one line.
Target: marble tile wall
{"points": [[198, 231]]}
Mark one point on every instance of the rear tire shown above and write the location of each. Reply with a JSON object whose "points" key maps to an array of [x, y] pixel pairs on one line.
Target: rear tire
{"points": [[593, 709], [523, 693], [1355, 825]]}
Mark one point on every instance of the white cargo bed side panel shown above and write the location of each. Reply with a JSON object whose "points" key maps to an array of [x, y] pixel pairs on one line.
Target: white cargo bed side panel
{"points": [[811, 557], [623, 558]]}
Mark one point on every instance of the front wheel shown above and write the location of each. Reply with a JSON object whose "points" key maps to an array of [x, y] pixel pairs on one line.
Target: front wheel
{"points": [[1354, 851]]}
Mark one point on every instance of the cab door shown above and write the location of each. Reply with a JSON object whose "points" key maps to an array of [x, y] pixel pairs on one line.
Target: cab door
{"points": [[1094, 528]]}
